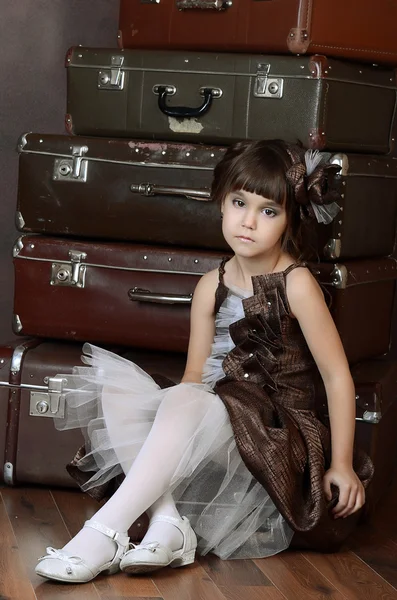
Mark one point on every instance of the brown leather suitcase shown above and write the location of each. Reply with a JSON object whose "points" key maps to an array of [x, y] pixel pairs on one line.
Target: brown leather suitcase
{"points": [[118, 189], [125, 294], [159, 193], [362, 30], [219, 98], [362, 296], [376, 421], [31, 394], [140, 295]]}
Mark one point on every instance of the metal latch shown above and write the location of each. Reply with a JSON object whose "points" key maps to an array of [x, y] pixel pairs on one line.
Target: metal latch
{"points": [[74, 168], [49, 404], [265, 86], [69, 274], [113, 78]]}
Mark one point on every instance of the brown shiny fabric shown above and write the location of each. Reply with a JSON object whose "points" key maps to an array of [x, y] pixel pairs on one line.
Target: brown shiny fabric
{"points": [[269, 392]]}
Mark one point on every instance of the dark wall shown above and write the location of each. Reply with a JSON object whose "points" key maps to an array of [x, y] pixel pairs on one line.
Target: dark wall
{"points": [[34, 37]]}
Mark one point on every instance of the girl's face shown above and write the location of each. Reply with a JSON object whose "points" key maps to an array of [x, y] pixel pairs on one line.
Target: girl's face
{"points": [[252, 225]]}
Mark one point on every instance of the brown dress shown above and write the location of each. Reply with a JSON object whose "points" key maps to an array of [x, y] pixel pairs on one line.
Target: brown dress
{"points": [[269, 392]]}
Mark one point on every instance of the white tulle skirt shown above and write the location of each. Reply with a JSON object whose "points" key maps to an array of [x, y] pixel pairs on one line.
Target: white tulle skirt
{"points": [[116, 403]]}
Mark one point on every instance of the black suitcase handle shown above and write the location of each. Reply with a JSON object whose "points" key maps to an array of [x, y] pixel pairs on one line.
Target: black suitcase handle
{"points": [[185, 112]]}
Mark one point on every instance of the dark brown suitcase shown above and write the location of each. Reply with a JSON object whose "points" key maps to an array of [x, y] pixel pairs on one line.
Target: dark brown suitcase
{"points": [[140, 295], [362, 293], [362, 30], [110, 293], [376, 421], [115, 189], [159, 193], [32, 392], [220, 98]]}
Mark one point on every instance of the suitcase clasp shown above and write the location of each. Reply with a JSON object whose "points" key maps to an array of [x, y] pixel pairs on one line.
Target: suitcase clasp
{"points": [[265, 86], [113, 78], [72, 169], [49, 404], [69, 274]]}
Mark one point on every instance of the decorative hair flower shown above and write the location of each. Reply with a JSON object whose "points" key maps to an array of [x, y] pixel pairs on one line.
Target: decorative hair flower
{"points": [[310, 175]]}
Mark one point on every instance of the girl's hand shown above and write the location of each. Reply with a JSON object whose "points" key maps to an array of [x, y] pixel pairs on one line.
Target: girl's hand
{"points": [[351, 490]]}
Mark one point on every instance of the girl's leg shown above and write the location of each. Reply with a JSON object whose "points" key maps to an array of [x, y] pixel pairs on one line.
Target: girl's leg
{"points": [[150, 475]]}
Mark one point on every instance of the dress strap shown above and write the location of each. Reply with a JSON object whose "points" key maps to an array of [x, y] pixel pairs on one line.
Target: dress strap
{"points": [[221, 290], [221, 268], [294, 266]]}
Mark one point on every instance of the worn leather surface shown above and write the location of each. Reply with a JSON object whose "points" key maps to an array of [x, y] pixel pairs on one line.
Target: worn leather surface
{"points": [[354, 29], [325, 104]]}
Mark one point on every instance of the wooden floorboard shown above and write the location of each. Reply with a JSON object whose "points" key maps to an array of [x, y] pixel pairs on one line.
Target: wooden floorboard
{"points": [[240, 579], [351, 576], [33, 518], [14, 581], [291, 574]]}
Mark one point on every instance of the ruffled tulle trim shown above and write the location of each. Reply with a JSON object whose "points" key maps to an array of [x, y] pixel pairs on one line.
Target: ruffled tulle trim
{"points": [[117, 402], [231, 310]]}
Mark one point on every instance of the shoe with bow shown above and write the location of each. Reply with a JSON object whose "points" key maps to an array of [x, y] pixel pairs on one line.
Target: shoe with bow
{"points": [[61, 566], [151, 556]]}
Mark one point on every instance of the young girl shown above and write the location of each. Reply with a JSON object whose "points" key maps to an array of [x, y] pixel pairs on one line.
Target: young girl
{"points": [[236, 446]]}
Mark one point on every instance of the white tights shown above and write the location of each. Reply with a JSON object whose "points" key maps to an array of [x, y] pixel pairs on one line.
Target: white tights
{"points": [[145, 487]]}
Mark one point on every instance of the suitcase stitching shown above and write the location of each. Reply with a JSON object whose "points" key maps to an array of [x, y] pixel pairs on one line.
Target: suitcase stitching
{"points": [[356, 49]]}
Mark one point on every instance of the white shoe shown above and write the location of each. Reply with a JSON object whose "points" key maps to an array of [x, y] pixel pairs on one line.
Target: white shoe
{"points": [[152, 555], [61, 566]]}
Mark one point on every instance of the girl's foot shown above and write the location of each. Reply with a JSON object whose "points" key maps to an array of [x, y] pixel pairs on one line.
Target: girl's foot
{"points": [[173, 550], [83, 564]]}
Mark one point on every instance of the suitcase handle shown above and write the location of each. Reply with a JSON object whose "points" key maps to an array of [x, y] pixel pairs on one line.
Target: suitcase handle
{"points": [[139, 295], [203, 4], [151, 189], [185, 112]]}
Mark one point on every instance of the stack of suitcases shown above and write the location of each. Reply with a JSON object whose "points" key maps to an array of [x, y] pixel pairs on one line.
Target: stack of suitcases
{"points": [[118, 223]]}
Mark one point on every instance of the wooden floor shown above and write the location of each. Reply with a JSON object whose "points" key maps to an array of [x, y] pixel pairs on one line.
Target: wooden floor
{"points": [[31, 519]]}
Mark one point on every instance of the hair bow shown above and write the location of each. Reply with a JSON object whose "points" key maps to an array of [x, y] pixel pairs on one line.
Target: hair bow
{"points": [[311, 182]]}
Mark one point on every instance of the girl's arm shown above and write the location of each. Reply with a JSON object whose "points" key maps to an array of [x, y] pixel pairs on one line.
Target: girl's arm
{"points": [[202, 327], [308, 305]]}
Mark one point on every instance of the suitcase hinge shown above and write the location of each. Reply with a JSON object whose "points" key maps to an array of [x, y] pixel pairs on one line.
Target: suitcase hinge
{"points": [[72, 169], [69, 274], [113, 78], [49, 404], [265, 86]]}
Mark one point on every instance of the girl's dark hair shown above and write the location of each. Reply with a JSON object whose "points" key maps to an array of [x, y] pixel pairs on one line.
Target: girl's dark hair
{"points": [[260, 167]]}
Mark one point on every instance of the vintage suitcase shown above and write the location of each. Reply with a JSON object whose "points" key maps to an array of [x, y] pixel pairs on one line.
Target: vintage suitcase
{"points": [[124, 294], [116, 189], [159, 193], [353, 29], [32, 394], [362, 297], [376, 421], [219, 98], [140, 295]]}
